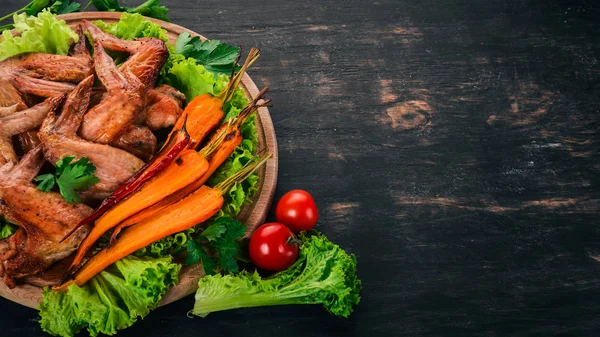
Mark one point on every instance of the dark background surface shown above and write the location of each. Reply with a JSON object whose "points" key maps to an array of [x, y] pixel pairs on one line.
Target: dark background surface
{"points": [[451, 145]]}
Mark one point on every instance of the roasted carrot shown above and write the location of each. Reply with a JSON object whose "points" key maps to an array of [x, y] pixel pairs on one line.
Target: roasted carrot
{"points": [[205, 112], [216, 159], [175, 146], [188, 167], [188, 212]]}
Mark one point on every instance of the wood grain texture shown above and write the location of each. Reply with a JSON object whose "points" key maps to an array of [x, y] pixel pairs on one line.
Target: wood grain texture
{"points": [[251, 215], [451, 145]]}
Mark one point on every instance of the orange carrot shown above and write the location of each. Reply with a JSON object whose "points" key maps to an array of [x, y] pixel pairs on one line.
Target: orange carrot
{"points": [[205, 112], [188, 167], [188, 212], [216, 159]]}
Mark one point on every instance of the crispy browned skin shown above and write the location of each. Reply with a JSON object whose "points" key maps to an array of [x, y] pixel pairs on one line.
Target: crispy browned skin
{"points": [[9, 110], [119, 108], [163, 106], [9, 95], [59, 139], [38, 87], [44, 217], [137, 140], [44, 75], [73, 68], [148, 55], [21, 121]]}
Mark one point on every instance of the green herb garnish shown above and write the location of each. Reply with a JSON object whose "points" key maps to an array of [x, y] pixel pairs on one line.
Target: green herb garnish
{"points": [[215, 56], [220, 239], [70, 177]]}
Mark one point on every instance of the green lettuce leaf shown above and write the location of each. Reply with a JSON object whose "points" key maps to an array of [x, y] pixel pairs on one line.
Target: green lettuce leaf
{"points": [[131, 26], [191, 78], [43, 34], [323, 274], [169, 245], [112, 300]]}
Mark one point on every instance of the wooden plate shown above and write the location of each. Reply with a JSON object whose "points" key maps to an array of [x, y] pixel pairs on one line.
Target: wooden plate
{"points": [[252, 215]]}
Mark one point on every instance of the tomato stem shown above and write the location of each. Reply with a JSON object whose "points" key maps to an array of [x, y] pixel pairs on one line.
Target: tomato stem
{"points": [[293, 241]]}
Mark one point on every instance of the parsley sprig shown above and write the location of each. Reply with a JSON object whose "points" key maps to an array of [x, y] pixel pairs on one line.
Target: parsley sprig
{"points": [[70, 177], [217, 246], [215, 56]]}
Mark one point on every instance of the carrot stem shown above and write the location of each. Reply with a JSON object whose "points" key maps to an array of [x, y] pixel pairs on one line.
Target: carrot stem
{"points": [[234, 81]]}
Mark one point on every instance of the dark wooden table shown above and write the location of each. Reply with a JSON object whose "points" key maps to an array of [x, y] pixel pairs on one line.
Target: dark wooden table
{"points": [[451, 145]]}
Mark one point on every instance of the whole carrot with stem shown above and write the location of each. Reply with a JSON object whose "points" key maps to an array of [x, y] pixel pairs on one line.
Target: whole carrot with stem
{"points": [[196, 208], [205, 112]]}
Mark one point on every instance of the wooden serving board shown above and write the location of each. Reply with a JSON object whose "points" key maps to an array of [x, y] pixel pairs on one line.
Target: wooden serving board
{"points": [[252, 215]]}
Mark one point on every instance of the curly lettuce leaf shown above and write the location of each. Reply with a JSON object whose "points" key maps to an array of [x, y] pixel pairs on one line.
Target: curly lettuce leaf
{"points": [[191, 78], [169, 245], [112, 300], [131, 26], [43, 33], [323, 274]]}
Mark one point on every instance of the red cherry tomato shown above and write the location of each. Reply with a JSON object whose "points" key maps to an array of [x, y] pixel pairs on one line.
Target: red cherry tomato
{"points": [[297, 210], [269, 247]]}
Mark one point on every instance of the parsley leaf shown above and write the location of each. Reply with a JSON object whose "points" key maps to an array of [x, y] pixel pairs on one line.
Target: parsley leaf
{"points": [[64, 7], [195, 252], [150, 8], [214, 232], [215, 56], [46, 182], [70, 177], [217, 246]]}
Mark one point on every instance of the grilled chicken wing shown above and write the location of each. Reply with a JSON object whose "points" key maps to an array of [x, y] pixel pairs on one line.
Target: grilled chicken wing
{"points": [[119, 108], [148, 55], [42, 74], [163, 106], [21, 121], [137, 140], [44, 217], [59, 139]]}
